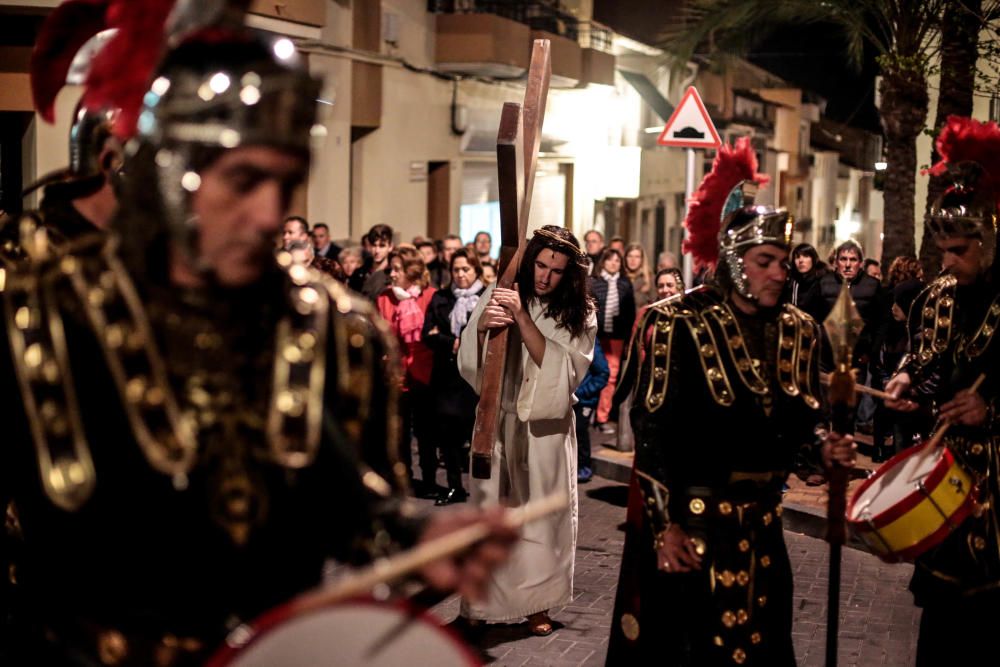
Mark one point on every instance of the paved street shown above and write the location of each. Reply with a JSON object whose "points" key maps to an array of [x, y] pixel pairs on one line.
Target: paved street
{"points": [[878, 623]]}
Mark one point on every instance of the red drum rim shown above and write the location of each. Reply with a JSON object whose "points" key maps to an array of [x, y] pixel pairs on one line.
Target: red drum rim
{"points": [[910, 500], [274, 618]]}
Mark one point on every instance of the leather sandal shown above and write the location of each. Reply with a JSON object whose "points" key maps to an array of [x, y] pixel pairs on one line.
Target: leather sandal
{"points": [[540, 624]]}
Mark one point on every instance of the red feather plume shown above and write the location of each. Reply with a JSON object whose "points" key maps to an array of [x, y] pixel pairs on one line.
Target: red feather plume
{"points": [[120, 74], [63, 33], [732, 164], [965, 139]]}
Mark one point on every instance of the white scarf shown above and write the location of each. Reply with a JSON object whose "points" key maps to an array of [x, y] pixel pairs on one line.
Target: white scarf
{"points": [[611, 304], [465, 303]]}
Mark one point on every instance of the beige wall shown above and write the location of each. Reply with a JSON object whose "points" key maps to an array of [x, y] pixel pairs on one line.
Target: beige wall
{"points": [[46, 147], [416, 127], [788, 117], [373, 175], [329, 176], [415, 28], [824, 194]]}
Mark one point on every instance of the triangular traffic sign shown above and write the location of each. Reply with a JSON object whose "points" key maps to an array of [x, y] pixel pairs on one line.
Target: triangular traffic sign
{"points": [[690, 126]]}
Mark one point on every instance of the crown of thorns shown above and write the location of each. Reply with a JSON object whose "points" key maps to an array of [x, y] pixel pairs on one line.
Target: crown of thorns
{"points": [[577, 252]]}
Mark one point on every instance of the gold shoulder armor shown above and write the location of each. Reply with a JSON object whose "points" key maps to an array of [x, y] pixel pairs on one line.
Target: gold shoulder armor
{"points": [[798, 354], [659, 321], [716, 331], [34, 329], [89, 270], [326, 318], [368, 380], [937, 307], [984, 334]]}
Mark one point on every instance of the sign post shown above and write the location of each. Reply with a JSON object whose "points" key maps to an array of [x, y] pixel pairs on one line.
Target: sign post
{"points": [[689, 185], [690, 127]]}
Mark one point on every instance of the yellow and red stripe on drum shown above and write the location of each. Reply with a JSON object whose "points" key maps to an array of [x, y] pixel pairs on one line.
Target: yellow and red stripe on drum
{"points": [[921, 511]]}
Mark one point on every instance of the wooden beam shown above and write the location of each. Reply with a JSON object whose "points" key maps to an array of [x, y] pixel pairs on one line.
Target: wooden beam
{"points": [[518, 141]]}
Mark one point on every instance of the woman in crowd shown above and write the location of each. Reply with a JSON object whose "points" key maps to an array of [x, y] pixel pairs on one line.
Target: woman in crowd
{"points": [[454, 401], [403, 305], [489, 274], [669, 282], [352, 261], [803, 280], [615, 317], [639, 274], [904, 268]]}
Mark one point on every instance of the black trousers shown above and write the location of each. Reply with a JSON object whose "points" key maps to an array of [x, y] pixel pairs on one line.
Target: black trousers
{"points": [[958, 631], [453, 431], [417, 412]]}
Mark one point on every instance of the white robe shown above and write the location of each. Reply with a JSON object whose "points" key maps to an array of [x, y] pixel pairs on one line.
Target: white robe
{"points": [[534, 456]]}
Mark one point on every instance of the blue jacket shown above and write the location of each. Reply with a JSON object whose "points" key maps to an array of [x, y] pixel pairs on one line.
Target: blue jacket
{"points": [[597, 377]]}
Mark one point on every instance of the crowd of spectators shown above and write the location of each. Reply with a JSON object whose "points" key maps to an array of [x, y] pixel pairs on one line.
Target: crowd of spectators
{"points": [[883, 302], [426, 290]]}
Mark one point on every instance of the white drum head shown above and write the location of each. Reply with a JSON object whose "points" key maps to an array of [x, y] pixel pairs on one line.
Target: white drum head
{"points": [[894, 483], [355, 635]]}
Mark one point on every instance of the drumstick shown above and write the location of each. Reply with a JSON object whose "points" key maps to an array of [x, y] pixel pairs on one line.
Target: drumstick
{"points": [[394, 567], [935, 440], [861, 389]]}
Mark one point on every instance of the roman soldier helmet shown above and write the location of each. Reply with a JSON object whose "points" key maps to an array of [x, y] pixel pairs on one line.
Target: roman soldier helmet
{"points": [[209, 84], [69, 40], [723, 220], [970, 158]]}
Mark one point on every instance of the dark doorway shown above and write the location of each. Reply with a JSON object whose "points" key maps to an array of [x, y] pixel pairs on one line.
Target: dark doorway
{"points": [[438, 199], [12, 127]]}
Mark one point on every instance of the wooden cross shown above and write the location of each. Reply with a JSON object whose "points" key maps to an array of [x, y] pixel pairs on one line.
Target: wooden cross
{"points": [[518, 141]]}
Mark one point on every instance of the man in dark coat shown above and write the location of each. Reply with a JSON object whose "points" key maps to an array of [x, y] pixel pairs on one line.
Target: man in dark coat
{"points": [[873, 304], [871, 300]]}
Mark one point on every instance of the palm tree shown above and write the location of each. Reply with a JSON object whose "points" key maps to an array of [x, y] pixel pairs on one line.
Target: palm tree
{"points": [[960, 51], [904, 32]]}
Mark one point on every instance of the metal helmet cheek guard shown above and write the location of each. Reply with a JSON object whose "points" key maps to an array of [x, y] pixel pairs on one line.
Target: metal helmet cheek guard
{"points": [[220, 90]]}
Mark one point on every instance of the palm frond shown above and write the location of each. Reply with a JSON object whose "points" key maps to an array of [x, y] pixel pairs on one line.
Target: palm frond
{"points": [[710, 27], [904, 28]]}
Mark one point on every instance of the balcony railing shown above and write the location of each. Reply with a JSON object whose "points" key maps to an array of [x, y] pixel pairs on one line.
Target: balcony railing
{"points": [[581, 50], [545, 15]]}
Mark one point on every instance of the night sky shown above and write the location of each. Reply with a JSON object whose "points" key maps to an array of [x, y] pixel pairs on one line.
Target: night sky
{"points": [[814, 58]]}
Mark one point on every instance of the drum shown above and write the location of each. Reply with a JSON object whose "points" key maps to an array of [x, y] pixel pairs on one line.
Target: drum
{"points": [[357, 633], [911, 503]]}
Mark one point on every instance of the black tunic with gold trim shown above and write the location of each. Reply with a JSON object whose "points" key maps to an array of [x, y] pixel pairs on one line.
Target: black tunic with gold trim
{"points": [[182, 461], [953, 341], [723, 405]]}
